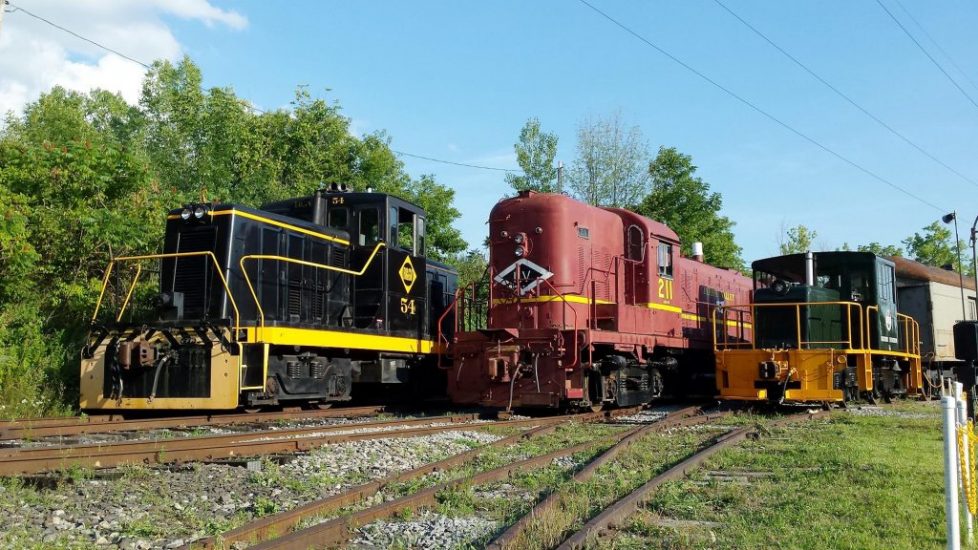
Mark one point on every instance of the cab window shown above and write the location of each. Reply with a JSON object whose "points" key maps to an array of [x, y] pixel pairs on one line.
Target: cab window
{"points": [[636, 243], [338, 218], [402, 229], [369, 226], [665, 260], [421, 240]]}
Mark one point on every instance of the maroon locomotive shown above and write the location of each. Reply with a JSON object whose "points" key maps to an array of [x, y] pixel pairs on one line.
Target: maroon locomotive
{"points": [[587, 306]]}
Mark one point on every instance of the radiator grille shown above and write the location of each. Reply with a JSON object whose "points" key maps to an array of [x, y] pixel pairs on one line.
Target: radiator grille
{"points": [[192, 276]]}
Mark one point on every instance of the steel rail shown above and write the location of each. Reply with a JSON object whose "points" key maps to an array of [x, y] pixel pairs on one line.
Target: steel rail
{"points": [[690, 416], [268, 527], [628, 505], [336, 531], [51, 427], [107, 455]]}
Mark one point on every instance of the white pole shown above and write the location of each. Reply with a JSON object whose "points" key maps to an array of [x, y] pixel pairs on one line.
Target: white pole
{"points": [[949, 406], [962, 406]]}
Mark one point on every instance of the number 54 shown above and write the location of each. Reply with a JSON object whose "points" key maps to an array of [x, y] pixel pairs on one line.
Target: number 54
{"points": [[408, 307]]}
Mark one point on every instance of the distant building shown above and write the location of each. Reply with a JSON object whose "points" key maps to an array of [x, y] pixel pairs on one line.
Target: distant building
{"points": [[932, 296]]}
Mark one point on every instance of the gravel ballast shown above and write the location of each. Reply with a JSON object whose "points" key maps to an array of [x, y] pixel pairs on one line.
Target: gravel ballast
{"points": [[138, 507]]}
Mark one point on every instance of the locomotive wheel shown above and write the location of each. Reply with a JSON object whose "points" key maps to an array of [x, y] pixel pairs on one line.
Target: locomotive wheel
{"points": [[252, 410], [597, 407], [871, 397], [323, 406]]}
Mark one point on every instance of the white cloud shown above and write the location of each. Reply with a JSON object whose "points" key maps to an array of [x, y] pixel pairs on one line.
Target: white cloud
{"points": [[35, 56]]}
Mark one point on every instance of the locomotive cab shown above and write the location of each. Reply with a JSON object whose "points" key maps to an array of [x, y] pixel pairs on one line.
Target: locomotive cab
{"points": [[826, 328]]}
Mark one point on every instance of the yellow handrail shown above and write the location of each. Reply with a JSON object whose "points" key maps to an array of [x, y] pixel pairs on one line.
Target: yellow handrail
{"points": [[251, 288], [132, 287], [208, 253], [797, 306], [911, 326]]}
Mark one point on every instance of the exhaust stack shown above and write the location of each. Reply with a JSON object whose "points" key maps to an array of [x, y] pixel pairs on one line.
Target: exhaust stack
{"points": [[809, 268], [698, 252]]}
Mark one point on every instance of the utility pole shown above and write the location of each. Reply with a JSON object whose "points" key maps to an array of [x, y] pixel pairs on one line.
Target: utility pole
{"points": [[560, 176]]}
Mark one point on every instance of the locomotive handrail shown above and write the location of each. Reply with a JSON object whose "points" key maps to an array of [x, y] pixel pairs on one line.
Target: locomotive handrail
{"points": [[863, 331], [139, 269], [459, 292], [251, 288], [577, 356]]}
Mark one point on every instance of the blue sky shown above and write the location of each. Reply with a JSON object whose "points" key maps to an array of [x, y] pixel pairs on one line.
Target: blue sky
{"points": [[457, 80]]}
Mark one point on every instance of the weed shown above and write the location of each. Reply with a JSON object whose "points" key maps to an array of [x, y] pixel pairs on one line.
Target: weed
{"points": [[265, 506], [456, 501]]}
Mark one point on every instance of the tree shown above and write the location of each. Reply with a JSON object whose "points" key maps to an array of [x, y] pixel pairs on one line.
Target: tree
{"points": [[684, 202], [936, 247], [796, 239], [880, 249], [535, 152], [611, 164]]}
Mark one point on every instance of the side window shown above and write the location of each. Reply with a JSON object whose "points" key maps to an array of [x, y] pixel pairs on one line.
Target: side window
{"points": [[636, 244], [886, 285], [369, 226], [665, 260], [339, 218], [402, 229], [421, 242]]}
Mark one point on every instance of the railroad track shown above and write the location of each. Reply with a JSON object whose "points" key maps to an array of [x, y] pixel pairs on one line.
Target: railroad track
{"points": [[24, 460], [109, 423], [625, 507], [337, 531]]}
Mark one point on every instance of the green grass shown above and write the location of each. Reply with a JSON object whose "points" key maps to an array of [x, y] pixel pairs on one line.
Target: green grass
{"points": [[855, 481], [577, 502]]}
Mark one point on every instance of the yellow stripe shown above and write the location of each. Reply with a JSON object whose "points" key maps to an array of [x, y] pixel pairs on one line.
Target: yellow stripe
{"points": [[663, 307], [572, 298], [262, 219], [286, 336]]}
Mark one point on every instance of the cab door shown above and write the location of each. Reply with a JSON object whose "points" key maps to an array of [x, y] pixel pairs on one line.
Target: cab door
{"points": [[889, 326], [406, 273]]}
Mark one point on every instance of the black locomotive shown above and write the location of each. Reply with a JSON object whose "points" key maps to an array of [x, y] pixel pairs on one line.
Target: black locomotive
{"points": [[294, 302]]}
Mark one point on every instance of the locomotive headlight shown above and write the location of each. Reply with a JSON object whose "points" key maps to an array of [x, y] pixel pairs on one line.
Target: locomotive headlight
{"points": [[199, 212], [185, 214], [518, 238], [520, 251]]}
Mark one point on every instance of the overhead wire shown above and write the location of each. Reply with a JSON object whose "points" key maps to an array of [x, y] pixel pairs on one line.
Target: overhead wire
{"points": [[432, 159], [242, 101], [78, 36], [936, 44], [925, 52], [844, 96], [761, 111]]}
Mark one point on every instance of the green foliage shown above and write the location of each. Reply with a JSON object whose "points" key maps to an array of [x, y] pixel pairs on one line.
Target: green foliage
{"points": [[684, 202], [471, 267], [935, 247], [880, 249], [535, 152], [88, 177], [797, 239]]}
